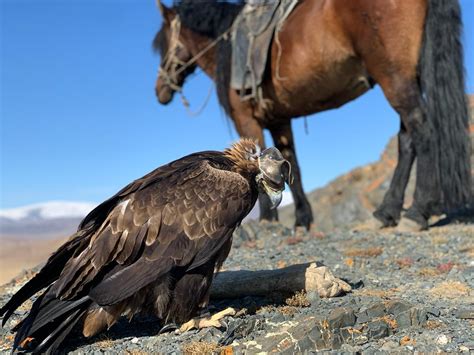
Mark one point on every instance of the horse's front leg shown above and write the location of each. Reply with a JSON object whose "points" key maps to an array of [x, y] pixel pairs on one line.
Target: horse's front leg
{"points": [[389, 211], [283, 138], [248, 127]]}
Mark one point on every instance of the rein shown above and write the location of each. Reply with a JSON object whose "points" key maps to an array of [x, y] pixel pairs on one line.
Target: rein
{"points": [[169, 71]]}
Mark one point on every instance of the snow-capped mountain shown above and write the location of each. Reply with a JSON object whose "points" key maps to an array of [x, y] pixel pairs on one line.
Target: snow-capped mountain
{"points": [[48, 219]]}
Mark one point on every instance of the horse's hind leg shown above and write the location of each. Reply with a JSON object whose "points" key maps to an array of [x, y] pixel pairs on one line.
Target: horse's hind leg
{"points": [[405, 97], [283, 139], [389, 211]]}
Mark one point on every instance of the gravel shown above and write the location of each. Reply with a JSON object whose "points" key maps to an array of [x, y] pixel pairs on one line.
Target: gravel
{"points": [[411, 292]]}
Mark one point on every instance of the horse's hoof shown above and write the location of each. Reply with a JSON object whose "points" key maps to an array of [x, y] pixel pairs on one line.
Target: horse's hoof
{"points": [[407, 225]]}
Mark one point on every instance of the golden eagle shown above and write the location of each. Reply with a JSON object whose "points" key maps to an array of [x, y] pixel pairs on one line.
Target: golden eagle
{"points": [[153, 247]]}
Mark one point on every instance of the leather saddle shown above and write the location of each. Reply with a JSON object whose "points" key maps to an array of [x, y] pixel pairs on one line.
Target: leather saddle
{"points": [[252, 34]]}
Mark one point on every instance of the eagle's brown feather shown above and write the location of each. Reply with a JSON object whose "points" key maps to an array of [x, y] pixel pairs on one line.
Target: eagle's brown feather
{"points": [[136, 251]]}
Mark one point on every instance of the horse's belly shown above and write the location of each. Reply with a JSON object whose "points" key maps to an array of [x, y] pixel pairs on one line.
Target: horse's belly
{"points": [[325, 88]]}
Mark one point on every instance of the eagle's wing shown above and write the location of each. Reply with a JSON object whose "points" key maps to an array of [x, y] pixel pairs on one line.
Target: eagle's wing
{"points": [[178, 219]]}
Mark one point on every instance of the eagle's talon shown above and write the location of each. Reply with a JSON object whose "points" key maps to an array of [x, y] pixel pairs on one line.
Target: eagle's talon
{"points": [[208, 322], [167, 328]]}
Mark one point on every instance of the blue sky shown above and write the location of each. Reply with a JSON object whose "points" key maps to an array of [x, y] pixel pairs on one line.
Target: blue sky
{"points": [[79, 118]]}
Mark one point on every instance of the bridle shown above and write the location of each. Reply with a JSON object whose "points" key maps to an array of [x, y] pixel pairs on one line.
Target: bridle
{"points": [[172, 66]]}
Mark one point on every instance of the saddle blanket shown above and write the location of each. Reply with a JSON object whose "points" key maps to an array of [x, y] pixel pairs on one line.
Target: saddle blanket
{"points": [[252, 34]]}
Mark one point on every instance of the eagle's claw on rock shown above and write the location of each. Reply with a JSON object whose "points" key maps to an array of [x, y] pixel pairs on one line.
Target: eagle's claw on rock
{"points": [[213, 321]]}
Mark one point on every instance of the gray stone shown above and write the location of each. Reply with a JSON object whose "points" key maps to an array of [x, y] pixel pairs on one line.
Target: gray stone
{"points": [[313, 298], [376, 310], [403, 320], [362, 317], [316, 335], [419, 316], [434, 311], [305, 344], [465, 313], [360, 339], [378, 329], [336, 340], [397, 307], [341, 317], [389, 345]]}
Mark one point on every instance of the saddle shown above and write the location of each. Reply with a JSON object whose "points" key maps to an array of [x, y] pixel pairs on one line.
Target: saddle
{"points": [[252, 33]]}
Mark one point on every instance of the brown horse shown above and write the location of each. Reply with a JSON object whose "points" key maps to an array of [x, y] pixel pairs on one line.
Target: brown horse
{"points": [[329, 53]]}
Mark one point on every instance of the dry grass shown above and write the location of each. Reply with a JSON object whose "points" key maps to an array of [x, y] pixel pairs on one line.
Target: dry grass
{"points": [[365, 252], [286, 310], [349, 262], [104, 342], [370, 292], [299, 299], [392, 323], [136, 352], [428, 272], [199, 347], [406, 340], [451, 289], [433, 324]]}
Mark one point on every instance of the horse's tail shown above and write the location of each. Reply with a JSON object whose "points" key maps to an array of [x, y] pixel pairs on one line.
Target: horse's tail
{"points": [[442, 85]]}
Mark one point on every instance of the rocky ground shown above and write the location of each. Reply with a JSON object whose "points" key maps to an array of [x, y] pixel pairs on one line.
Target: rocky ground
{"points": [[411, 292]]}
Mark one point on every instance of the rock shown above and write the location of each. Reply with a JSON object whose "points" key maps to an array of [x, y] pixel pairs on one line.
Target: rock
{"points": [[134, 340], [397, 307], [434, 311], [465, 313], [313, 298], [362, 317], [378, 329], [412, 317], [442, 339], [341, 317], [376, 310], [389, 345]]}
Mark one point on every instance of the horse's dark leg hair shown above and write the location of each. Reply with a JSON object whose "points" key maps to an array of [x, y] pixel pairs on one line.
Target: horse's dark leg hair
{"points": [[405, 97], [389, 211], [283, 138]]}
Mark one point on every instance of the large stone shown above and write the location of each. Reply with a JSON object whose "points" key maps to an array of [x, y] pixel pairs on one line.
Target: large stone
{"points": [[341, 317], [412, 317], [397, 307], [378, 329], [465, 313], [376, 310]]}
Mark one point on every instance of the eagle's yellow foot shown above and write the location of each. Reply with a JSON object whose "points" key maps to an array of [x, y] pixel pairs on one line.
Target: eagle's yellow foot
{"points": [[207, 322]]}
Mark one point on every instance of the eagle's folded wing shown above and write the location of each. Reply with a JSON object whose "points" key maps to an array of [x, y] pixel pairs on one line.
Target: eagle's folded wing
{"points": [[180, 219]]}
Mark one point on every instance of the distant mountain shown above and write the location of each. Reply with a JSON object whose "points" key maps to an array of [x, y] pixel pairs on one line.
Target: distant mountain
{"points": [[43, 220]]}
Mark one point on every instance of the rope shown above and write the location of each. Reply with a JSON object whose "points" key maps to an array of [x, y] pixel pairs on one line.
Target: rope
{"points": [[203, 106], [168, 71]]}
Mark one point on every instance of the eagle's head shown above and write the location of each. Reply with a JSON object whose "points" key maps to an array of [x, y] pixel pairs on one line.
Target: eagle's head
{"points": [[268, 167], [274, 172]]}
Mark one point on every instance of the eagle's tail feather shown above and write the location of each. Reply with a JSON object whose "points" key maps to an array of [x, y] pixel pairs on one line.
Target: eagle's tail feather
{"points": [[48, 323]]}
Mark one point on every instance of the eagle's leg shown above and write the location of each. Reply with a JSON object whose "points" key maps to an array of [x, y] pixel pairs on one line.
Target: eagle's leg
{"points": [[207, 322]]}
